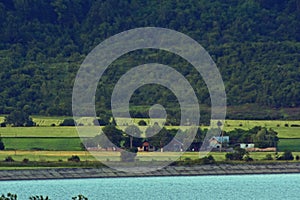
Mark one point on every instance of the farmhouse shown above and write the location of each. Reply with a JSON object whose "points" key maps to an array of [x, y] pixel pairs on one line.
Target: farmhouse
{"points": [[174, 145], [216, 142], [146, 147]]}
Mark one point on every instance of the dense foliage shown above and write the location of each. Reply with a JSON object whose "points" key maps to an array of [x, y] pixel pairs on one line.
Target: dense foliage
{"points": [[18, 118], [237, 154], [261, 137], [255, 44], [2, 146], [287, 155]]}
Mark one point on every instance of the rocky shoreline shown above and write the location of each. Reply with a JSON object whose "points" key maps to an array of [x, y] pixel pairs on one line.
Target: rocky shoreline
{"points": [[104, 172]]}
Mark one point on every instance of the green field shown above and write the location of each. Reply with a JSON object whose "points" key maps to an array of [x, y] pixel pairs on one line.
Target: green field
{"points": [[277, 125], [44, 127], [59, 131], [290, 132], [289, 144], [66, 138], [19, 155], [38, 132], [264, 123], [47, 131], [54, 144], [48, 121]]}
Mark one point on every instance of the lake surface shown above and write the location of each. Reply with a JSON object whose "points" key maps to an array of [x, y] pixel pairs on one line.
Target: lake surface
{"points": [[282, 186]]}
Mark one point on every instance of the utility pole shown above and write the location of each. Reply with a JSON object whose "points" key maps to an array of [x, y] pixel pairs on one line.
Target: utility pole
{"points": [[219, 124]]}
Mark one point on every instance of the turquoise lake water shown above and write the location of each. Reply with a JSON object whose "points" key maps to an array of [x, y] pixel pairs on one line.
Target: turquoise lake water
{"points": [[282, 186]]}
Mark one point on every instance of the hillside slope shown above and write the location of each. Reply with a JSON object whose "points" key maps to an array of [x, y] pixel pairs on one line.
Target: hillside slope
{"points": [[255, 44]]}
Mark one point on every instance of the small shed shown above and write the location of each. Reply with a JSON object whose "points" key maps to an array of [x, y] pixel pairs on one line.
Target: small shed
{"points": [[246, 146]]}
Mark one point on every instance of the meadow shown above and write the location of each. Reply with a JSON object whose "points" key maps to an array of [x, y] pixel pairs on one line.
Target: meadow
{"points": [[289, 144], [283, 127], [45, 127], [38, 131], [50, 142], [38, 143]]}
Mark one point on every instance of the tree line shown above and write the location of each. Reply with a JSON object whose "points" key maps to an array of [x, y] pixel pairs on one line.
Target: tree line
{"points": [[133, 137]]}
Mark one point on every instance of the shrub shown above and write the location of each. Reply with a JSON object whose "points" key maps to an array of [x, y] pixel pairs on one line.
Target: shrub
{"points": [[25, 160], [200, 161], [9, 159], [68, 122], [100, 122], [3, 124], [2, 146], [37, 149], [238, 154], [248, 158], [208, 160], [30, 123], [297, 157], [268, 157], [287, 155], [295, 125], [74, 158], [172, 122], [142, 123], [52, 125], [19, 118], [229, 156], [286, 125]]}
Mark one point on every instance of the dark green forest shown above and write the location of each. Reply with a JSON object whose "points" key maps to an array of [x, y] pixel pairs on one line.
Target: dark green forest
{"points": [[255, 44]]}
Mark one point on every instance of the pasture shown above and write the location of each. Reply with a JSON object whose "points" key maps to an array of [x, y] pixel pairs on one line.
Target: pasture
{"points": [[44, 123], [38, 131], [283, 128], [289, 144], [40, 143]]}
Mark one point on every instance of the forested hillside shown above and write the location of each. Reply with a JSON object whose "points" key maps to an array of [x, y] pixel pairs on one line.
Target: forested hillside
{"points": [[255, 44]]}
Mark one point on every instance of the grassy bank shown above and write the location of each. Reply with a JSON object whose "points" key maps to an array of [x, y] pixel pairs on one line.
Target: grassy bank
{"points": [[19, 155]]}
